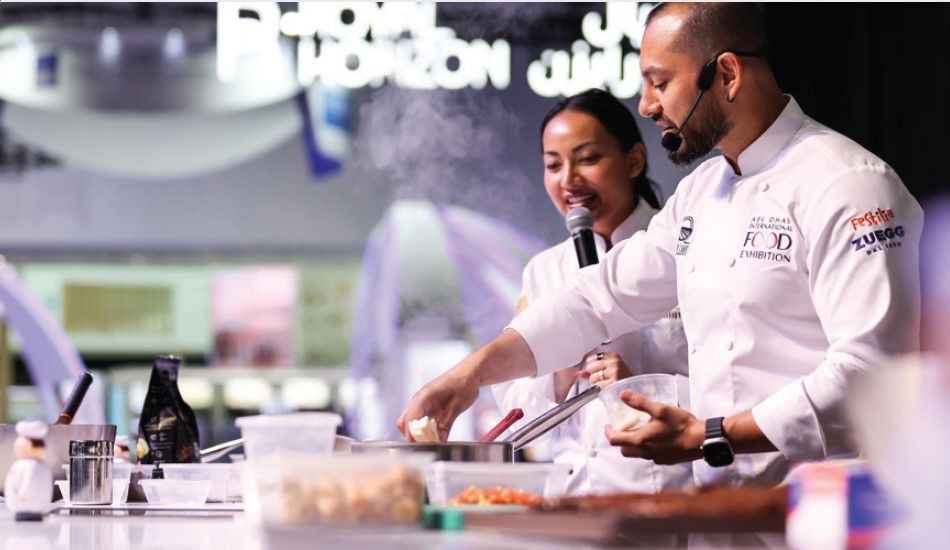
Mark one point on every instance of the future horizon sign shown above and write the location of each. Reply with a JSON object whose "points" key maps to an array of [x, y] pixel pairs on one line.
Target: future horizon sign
{"points": [[359, 44]]}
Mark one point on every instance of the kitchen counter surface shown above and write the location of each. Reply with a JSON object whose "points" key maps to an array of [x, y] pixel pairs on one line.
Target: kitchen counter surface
{"points": [[213, 530], [208, 530]]}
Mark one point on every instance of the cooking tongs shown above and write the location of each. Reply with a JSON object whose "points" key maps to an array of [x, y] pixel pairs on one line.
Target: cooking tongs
{"points": [[547, 421]]}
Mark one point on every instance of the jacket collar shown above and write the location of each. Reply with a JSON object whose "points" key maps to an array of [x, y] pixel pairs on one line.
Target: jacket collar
{"points": [[637, 220], [757, 156]]}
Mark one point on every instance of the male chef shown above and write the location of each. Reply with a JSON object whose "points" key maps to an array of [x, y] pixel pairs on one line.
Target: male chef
{"points": [[793, 256]]}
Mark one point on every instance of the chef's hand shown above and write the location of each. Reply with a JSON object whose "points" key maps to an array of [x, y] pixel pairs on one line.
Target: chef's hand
{"points": [[604, 368], [443, 399], [671, 436], [506, 357]]}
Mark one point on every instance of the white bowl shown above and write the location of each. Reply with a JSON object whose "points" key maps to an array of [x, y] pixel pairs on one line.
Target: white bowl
{"points": [[120, 490], [217, 473], [63, 485], [178, 492], [445, 480]]}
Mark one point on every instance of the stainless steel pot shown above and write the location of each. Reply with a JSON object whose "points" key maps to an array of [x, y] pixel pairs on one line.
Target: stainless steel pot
{"points": [[496, 451], [57, 444]]}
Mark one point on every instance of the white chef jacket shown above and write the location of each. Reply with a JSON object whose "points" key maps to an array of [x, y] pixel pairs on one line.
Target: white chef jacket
{"points": [[28, 486], [789, 277], [596, 466]]}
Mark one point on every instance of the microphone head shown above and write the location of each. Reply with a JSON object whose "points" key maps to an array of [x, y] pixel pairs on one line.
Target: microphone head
{"points": [[672, 141], [578, 218]]}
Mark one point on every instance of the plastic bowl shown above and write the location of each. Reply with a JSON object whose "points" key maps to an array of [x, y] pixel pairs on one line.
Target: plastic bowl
{"points": [[445, 480], [656, 387], [287, 489], [120, 490], [217, 473], [301, 432], [63, 485], [178, 492]]}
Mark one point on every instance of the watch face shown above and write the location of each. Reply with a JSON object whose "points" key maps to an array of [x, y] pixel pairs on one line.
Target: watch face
{"points": [[718, 452]]}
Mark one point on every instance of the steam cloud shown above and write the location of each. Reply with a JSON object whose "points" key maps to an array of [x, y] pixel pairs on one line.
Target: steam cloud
{"points": [[447, 147]]}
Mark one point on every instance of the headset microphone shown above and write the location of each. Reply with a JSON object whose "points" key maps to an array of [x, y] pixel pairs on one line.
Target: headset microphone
{"points": [[672, 141]]}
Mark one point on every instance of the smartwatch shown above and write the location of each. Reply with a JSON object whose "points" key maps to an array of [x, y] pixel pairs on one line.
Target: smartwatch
{"points": [[716, 449]]}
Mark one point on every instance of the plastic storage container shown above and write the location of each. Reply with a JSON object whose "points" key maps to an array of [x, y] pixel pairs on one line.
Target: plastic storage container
{"points": [[217, 473], [302, 432], [663, 388], [285, 489], [446, 480], [121, 474], [177, 492]]}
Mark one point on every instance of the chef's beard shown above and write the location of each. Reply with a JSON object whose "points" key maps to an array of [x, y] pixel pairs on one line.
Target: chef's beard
{"points": [[702, 133]]}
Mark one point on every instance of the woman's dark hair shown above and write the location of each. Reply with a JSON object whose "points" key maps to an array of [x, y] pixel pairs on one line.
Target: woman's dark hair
{"points": [[618, 120]]}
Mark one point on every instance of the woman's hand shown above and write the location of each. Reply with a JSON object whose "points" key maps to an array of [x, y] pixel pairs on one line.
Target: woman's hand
{"points": [[604, 368]]}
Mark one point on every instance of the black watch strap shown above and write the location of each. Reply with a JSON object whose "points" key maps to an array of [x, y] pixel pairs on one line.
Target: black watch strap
{"points": [[714, 427]]}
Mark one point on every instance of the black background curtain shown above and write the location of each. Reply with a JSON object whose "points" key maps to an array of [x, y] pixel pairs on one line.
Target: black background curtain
{"points": [[878, 73]]}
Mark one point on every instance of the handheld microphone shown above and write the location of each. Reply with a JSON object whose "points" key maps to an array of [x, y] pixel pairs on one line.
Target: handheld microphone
{"points": [[580, 222], [672, 142]]}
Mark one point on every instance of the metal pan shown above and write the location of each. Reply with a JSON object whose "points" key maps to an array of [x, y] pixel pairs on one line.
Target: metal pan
{"points": [[496, 451]]}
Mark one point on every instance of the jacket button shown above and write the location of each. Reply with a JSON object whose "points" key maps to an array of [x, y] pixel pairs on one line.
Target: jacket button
{"points": [[692, 268], [692, 348], [592, 453], [764, 187], [732, 262], [730, 345]]}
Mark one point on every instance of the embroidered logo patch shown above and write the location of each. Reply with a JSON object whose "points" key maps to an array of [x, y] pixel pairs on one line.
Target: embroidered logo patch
{"points": [[872, 218], [768, 238], [879, 240], [686, 231]]}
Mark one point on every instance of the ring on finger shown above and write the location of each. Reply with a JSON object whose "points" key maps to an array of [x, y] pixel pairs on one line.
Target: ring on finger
{"points": [[600, 356]]}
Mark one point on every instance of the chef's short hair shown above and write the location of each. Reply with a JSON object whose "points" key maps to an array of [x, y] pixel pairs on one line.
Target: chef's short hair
{"points": [[711, 27], [37, 443]]}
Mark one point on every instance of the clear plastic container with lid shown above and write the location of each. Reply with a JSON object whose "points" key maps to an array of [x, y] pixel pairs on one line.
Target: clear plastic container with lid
{"points": [[301, 432], [446, 480], [287, 488]]}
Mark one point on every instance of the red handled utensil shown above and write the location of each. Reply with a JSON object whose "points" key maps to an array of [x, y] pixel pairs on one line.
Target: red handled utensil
{"points": [[513, 416]]}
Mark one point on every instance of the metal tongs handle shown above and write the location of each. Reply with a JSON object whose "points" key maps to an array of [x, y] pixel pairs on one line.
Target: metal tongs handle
{"points": [[547, 421], [213, 453]]}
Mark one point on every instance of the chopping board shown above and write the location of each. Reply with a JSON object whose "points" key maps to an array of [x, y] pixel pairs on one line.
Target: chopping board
{"points": [[611, 519]]}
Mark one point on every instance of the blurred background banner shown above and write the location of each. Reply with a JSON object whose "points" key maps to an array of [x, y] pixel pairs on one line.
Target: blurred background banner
{"points": [[325, 112]]}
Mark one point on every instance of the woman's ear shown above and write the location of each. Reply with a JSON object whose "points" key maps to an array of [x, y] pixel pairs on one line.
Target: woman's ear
{"points": [[636, 159]]}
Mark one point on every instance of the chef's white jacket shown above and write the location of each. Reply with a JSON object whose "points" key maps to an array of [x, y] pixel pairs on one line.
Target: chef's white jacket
{"points": [[789, 278], [596, 466]]}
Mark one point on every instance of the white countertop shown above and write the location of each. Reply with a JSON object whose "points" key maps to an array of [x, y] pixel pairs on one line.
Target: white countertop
{"points": [[159, 532]]}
